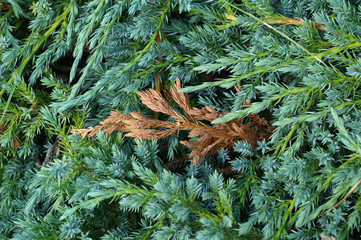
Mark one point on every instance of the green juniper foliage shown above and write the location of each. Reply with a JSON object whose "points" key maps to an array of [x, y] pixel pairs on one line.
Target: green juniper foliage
{"points": [[66, 64]]}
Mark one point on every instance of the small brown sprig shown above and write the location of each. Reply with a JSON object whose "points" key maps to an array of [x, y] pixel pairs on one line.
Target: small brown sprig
{"points": [[283, 20], [5, 6], [209, 138]]}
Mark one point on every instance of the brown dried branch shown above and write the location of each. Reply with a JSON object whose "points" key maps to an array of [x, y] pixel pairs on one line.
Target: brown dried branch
{"points": [[206, 113], [227, 171], [53, 151], [291, 21], [327, 237], [154, 100], [283, 20], [158, 87], [209, 140], [176, 163], [5, 6]]}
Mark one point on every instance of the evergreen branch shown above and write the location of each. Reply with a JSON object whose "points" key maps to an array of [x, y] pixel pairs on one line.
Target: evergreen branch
{"points": [[97, 55], [26, 59], [78, 51], [150, 43], [133, 61], [276, 30], [229, 82], [8, 14], [15, 140], [285, 218], [328, 180], [161, 65], [289, 136], [44, 37], [351, 145], [344, 198]]}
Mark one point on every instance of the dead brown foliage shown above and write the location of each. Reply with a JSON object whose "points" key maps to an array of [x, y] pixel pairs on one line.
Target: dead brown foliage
{"points": [[207, 138], [5, 6], [284, 20]]}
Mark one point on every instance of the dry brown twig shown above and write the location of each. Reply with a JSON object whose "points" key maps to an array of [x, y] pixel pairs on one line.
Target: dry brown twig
{"points": [[283, 20], [209, 138], [53, 151], [5, 6]]}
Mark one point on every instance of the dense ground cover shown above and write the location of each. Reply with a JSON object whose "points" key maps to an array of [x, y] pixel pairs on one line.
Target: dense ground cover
{"points": [[174, 119]]}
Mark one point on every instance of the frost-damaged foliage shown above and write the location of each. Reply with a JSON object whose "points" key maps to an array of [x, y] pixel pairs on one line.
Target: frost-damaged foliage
{"points": [[293, 65], [208, 139]]}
